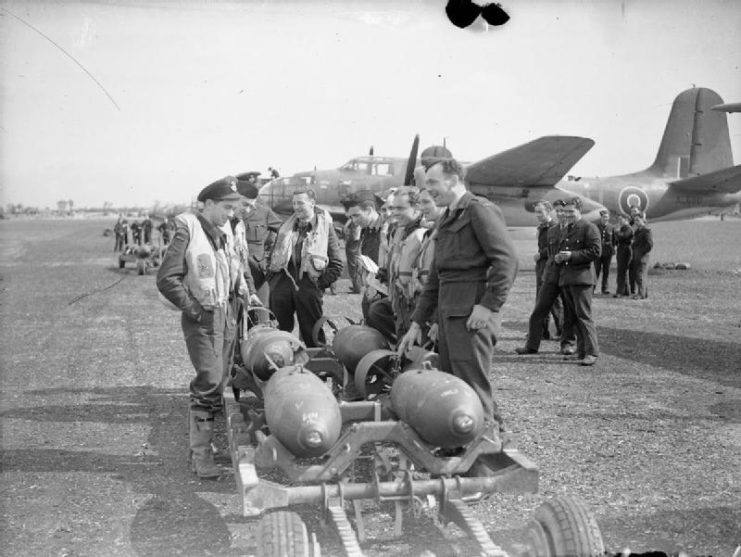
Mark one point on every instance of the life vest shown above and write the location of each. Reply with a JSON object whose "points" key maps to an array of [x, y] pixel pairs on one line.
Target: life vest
{"points": [[403, 254], [211, 274], [314, 257], [421, 268]]}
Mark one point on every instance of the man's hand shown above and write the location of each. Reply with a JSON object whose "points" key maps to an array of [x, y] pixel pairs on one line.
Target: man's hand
{"points": [[254, 300], [562, 256], [536, 257], [413, 336], [433, 333], [481, 317]]}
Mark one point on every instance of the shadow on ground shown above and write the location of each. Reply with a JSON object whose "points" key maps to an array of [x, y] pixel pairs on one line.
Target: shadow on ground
{"points": [[175, 520], [704, 359]]}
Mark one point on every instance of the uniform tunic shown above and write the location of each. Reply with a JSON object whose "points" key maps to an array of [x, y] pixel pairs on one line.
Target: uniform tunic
{"points": [[602, 263], [624, 238], [556, 308], [582, 239], [642, 245], [474, 263]]}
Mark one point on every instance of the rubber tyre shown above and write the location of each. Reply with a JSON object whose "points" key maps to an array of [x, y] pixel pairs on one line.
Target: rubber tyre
{"points": [[564, 527], [282, 534], [121, 263], [141, 266]]}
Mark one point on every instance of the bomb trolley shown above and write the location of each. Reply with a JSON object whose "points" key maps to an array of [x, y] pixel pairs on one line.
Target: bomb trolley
{"points": [[417, 463]]}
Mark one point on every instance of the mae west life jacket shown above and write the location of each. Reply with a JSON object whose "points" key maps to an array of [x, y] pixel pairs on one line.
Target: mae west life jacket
{"points": [[211, 274], [314, 257]]}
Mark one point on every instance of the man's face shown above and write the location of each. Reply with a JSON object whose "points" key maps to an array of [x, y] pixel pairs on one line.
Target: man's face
{"points": [[604, 218], [543, 215], [402, 213], [246, 207], [303, 206], [571, 214], [428, 207], [219, 212], [360, 217], [440, 185], [559, 213]]}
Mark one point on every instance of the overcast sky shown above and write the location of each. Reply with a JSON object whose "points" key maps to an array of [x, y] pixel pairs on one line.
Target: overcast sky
{"points": [[137, 102]]}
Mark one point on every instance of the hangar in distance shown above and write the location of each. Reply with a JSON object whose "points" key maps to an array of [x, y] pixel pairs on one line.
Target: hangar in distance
{"points": [[693, 173]]}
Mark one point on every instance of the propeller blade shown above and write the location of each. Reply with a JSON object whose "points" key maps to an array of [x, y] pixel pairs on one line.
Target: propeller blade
{"points": [[412, 162]]}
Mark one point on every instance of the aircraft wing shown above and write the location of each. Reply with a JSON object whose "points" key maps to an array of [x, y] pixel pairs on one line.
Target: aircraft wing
{"points": [[541, 163], [726, 180]]}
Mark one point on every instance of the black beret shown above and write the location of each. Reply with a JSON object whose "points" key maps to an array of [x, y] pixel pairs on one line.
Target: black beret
{"points": [[247, 189], [221, 190], [604, 212]]}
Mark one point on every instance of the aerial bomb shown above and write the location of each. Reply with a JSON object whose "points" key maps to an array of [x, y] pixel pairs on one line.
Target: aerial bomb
{"points": [[443, 409], [301, 411], [351, 343], [267, 349]]}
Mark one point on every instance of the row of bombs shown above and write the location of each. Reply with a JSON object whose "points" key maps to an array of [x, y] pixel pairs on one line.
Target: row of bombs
{"points": [[302, 412]]}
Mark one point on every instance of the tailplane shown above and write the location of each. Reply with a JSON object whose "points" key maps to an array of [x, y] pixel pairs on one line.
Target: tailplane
{"points": [[696, 139]]}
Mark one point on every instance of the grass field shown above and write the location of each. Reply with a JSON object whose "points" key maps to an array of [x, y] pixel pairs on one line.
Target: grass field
{"points": [[93, 404]]}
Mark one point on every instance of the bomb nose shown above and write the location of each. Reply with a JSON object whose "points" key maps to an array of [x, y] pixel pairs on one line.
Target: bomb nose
{"points": [[463, 424], [313, 439]]}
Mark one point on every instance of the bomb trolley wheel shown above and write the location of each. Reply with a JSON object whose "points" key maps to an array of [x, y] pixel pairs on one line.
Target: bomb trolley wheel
{"points": [[563, 526], [375, 372], [283, 534]]}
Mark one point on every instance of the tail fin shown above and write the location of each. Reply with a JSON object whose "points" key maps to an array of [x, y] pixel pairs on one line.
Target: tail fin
{"points": [[696, 139]]}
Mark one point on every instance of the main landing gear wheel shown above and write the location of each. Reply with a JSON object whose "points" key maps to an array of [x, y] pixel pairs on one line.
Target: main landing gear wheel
{"points": [[373, 373], [283, 534], [563, 526]]}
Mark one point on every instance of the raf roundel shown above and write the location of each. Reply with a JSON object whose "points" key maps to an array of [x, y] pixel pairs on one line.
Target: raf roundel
{"points": [[632, 196]]}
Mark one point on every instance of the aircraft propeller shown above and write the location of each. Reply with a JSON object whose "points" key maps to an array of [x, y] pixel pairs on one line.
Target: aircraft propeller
{"points": [[412, 162]]}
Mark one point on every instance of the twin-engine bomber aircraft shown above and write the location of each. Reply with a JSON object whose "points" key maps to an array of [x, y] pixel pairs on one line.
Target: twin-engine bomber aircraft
{"points": [[693, 173]]}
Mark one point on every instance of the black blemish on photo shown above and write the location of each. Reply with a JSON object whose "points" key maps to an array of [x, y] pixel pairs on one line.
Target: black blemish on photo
{"points": [[463, 13]]}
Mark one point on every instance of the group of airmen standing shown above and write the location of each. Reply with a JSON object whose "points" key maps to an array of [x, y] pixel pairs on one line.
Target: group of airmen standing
{"points": [[445, 267], [141, 232], [572, 254]]}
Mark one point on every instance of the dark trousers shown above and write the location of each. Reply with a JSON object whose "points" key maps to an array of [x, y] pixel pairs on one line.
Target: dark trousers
{"points": [[549, 295], [467, 355], [210, 346], [624, 256], [556, 308], [579, 299], [602, 266], [380, 316], [352, 251], [640, 272], [305, 303]]}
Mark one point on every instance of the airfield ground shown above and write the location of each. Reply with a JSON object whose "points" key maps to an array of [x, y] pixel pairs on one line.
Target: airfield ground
{"points": [[93, 408]]}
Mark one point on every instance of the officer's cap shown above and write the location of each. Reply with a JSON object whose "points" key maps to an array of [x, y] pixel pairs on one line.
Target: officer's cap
{"points": [[221, 190], [604, 212], [247, 189]]}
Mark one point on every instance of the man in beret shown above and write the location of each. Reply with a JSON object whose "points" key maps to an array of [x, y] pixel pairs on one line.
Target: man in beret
{"points": [[261, 225], [201, 275]]}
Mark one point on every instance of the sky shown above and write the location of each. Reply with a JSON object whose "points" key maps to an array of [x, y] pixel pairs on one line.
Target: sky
{"points": [[139, 102]]}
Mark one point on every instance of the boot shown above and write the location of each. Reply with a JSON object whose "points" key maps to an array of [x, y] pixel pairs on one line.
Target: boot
{"points": [[201, 456]]}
